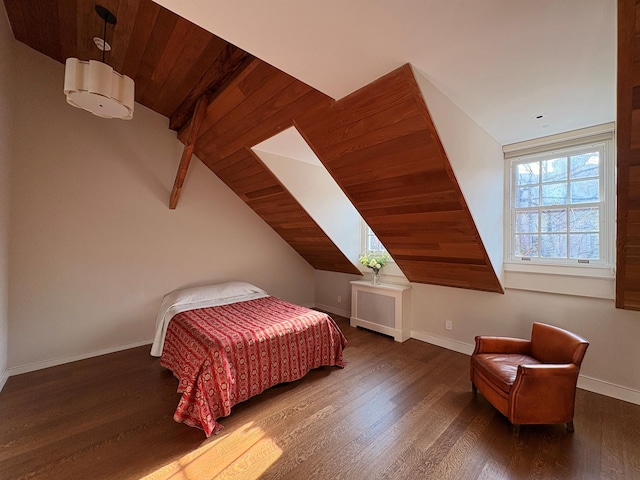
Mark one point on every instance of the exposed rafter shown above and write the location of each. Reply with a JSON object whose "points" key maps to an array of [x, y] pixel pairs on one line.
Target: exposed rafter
{"points": [[194, 130], [228, 64]]}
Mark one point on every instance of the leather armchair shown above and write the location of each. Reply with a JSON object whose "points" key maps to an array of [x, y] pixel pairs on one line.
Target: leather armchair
{"points": [[530, 381]]}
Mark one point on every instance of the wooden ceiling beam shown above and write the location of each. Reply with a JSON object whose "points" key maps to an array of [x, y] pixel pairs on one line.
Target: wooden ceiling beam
{"points": [[226, 67], [196, 122]]}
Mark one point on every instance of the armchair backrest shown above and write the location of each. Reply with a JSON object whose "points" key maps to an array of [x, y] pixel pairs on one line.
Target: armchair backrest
{"points": [[551, 344]]}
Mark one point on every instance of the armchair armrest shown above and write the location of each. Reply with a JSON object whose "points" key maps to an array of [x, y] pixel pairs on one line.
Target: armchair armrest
{"points": [[488, 344], [543, 393]]}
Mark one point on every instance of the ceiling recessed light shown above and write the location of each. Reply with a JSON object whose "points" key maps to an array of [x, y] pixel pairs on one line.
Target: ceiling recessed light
{"points": [[102, 44]]}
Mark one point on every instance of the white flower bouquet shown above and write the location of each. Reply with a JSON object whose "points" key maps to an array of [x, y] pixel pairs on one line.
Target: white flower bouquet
{"points": [[374, 262]]}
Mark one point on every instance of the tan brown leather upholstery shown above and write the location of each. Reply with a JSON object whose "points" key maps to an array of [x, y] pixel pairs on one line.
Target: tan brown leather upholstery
{"points": [[530, 381]]}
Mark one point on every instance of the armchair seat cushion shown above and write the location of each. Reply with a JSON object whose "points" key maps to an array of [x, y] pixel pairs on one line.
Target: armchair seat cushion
{"points": [[500, 369]]}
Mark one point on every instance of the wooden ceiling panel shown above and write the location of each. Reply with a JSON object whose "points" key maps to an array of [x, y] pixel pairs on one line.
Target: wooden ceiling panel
{"points": [[68, 27], [460, 275], [375, 141], [628, 157], [225, 101], [36, 24], [224, 63], [172, 61], [90, 25], [147, 15], [256, 104], [153, 52], [264, 193], [235, 123], [120, 38], [374, 126], [281, 111]]}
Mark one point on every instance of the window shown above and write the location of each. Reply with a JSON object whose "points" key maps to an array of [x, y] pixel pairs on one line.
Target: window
{"points": [[561, 203], [370, 243]]}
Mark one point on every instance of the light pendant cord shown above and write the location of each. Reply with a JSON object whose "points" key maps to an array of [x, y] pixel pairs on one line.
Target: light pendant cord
{"points": [[104, 38]]}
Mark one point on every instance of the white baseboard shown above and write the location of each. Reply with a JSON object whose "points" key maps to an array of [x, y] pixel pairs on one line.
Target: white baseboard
{"points": [[585, 383], [443, 342], [609, 389], [3, 379], [31, 367], [337, 311]]}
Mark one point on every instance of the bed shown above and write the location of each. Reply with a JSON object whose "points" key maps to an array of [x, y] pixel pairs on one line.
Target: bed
{"points": [[227, 343]]}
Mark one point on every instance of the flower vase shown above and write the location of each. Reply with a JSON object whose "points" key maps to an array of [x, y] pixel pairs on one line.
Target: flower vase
{"points": [[375, 277]]}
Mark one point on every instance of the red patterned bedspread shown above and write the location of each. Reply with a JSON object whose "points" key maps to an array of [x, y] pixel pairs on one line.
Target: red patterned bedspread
{"points": [[226, 354]]}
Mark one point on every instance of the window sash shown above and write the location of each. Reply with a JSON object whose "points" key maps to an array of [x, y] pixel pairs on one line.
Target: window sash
{"points": [[368, 239], [602, 207]]}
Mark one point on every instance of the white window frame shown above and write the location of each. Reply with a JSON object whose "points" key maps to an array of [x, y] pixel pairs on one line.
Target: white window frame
{"points": [[365, 233], [604, 268], [391, 272]]}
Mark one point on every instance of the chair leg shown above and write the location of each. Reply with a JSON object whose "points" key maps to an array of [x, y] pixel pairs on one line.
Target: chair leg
{"points": [[474, 389], [515, 430], [570, 427]]}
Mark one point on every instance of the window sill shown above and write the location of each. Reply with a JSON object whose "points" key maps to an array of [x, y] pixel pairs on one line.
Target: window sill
{"points": [[595, 282]]}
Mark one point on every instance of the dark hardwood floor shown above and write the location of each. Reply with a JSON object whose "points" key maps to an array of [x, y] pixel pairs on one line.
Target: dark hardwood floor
{"points": [[401, 411]]}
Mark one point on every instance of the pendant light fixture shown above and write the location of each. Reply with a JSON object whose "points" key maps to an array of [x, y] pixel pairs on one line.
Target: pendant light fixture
{"points": [[94, 86]]}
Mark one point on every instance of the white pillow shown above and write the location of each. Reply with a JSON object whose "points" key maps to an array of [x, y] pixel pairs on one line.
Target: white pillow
{"points": [[199, 297], [220, 291]]}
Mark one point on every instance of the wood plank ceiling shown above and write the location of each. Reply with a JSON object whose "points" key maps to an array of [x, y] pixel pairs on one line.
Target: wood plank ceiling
{"points": [[172, 61], [628, 138], [408, 195], [382, 148], [414, 205]]}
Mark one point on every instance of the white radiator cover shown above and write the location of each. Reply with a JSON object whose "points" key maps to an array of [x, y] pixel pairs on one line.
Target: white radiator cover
{"points": [[382, 308]]}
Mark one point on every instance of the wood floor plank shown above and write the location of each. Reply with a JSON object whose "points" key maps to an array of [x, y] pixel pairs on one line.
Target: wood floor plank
{"points": [[396, 411]]}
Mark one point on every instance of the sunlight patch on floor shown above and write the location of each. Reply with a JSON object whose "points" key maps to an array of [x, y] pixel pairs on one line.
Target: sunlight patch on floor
{"points": [[246, 453]]}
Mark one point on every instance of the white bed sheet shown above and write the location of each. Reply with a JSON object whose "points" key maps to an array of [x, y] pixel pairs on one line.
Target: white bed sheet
{"points": [[199, 297]]}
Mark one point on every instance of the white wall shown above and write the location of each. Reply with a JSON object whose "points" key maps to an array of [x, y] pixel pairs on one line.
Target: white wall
{"points": [[6, 56], [330, 286], [478, 163], [93, 244], [321, 197], [609, 365], [612, 333]]}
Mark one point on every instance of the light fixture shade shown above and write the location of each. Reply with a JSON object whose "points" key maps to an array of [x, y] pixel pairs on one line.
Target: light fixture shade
{"points": [[97, 88]]}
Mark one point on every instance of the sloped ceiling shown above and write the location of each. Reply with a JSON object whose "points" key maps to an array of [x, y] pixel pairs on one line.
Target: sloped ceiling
{"points": [[172, 61], [416, 206], [381, 147], [257, 104], [502, 62]]}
